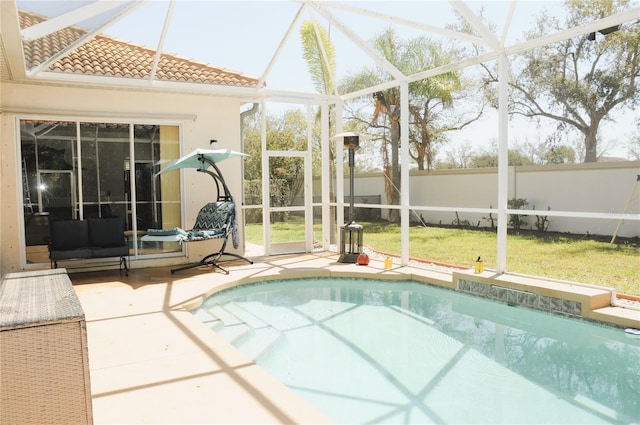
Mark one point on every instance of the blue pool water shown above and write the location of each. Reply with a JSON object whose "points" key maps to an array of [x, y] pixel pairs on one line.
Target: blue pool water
{"points": [[368, 351]]}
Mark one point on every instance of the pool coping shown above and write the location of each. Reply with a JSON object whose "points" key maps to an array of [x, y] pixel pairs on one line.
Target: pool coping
{"points": [[570, 299]]}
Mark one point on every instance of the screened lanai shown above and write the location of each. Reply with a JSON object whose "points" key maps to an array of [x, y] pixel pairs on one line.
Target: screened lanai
{"points": [[260, 54]]}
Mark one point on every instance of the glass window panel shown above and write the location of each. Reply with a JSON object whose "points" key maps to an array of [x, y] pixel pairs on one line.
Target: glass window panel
{"points": [[253, 229], [289, 229], [52, 182], [48, 180], [105, 151], [157, 196], [252, 165]]}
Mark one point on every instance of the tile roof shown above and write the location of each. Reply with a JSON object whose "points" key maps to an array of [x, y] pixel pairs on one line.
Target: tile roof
{"points": [[107, 56]]}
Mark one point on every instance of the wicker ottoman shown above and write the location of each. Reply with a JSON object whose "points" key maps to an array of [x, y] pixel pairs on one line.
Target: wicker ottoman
{"points": [[44, 367]]}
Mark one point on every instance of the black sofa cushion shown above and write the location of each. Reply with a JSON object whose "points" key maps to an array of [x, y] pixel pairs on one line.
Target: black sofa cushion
{"points": [[106, 232], [69, 234], [110, 251], [91, 238], [70, 254]]}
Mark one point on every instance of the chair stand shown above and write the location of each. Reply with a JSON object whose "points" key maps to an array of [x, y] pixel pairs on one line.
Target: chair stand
{"points": [[124, 265], [207, 261]]}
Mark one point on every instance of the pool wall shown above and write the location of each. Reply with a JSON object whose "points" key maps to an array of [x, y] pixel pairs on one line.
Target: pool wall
{"points": [[563, 298], [567, 299]]}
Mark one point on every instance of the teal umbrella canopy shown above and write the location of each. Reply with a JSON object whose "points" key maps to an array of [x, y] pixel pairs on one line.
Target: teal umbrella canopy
{"points": [[201, 159]]}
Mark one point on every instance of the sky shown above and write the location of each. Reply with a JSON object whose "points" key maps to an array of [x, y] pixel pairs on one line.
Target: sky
{"points": [[245, 35]]}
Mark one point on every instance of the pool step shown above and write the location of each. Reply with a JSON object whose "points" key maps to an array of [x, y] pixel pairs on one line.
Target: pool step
{"points": [[226, 317], [241, 313], [229, 326], [619, 316], [258, 342], [209, 319], [233, 333], [245, 330]]}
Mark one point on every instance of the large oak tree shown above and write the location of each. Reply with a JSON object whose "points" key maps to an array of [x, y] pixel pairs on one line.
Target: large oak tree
{"points": [[579, 82]]}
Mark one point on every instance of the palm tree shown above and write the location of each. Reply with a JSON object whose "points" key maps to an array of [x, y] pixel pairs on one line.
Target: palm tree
{"points": [[428, 98], [319, 54]]}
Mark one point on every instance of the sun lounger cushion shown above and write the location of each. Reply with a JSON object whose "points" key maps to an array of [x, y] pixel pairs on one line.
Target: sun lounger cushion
{"points": [[214, 221], [176, 231]]}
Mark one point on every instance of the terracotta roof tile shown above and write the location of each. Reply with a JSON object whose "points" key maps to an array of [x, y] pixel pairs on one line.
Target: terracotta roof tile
{"points": [[107, 56]]}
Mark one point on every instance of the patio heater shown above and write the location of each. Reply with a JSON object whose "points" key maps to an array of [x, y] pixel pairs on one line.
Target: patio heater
{"points": [[350, 233]]}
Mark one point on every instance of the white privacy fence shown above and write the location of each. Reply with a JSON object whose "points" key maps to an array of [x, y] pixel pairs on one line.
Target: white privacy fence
{"points": [[559, 191]]}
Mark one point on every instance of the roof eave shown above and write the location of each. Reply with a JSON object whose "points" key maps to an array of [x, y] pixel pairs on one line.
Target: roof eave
{"points": [[114, 82], [245, 94]]}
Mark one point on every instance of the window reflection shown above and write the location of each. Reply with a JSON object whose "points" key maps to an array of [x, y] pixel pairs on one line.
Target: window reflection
{"points": [[76, 170]]}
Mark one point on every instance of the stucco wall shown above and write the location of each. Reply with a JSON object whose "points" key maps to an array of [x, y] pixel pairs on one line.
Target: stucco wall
{"points": [[589, 188], [202, 118]]}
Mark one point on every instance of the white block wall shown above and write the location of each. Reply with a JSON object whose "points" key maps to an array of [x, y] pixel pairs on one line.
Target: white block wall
{"points": [[593, 188]]}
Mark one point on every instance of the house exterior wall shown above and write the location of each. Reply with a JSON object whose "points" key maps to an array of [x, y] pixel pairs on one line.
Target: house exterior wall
{"points": [[586, 188], [201, 117]]}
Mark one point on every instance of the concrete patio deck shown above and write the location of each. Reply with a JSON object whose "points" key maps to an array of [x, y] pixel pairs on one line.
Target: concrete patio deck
{"points": [[151, 361]]}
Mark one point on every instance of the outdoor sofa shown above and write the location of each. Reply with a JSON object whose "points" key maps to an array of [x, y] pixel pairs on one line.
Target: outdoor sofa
{"points": [[90, 238]]}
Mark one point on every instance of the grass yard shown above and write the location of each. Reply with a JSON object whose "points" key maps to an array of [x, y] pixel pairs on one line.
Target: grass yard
{"points": [[558, 256]]}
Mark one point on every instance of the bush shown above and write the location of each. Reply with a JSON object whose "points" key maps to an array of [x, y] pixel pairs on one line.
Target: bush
{"points": [[516, 221], [542, 221]]}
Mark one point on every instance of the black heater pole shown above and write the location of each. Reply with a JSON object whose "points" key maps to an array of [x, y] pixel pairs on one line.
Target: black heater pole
{"points": [[351, 233], [352, 163]]}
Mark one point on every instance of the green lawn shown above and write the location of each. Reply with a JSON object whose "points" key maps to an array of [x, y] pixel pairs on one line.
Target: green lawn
{"points": [[558, 256]]}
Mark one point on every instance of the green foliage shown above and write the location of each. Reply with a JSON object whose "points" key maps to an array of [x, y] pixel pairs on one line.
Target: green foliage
{"points": [[634, 146], [561, 154], [483, 160], [286, 175], [491, 219], [549, 151], [319, 54], [542, 221], [458, 222], [516, 221], [430, 99], [579, 81]]}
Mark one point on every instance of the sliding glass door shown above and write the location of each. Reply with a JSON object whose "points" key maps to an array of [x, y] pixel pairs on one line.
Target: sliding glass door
{"points": [[79, 170]]}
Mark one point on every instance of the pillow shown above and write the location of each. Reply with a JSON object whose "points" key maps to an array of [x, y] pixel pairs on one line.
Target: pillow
{"points": [[69, 234], [199, 235], [106, 232], [166, 232]]}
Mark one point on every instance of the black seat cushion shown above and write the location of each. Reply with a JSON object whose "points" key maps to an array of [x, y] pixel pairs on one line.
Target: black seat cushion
{"points": [[111, 251], [106, 232], [69, 234], [70, 254]]}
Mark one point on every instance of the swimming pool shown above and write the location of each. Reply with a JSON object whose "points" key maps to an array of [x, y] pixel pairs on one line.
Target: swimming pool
{"points": [[369, 351]]}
